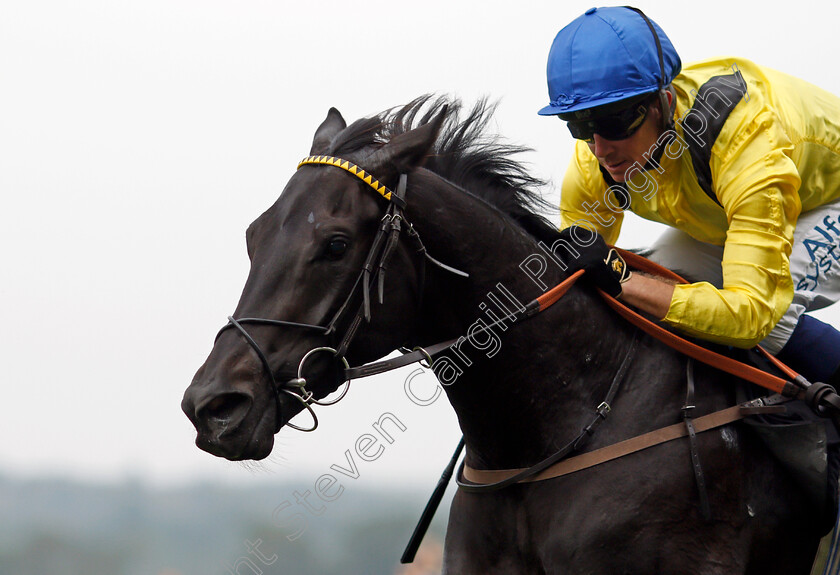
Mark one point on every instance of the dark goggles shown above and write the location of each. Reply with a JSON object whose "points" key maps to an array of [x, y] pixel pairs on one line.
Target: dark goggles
{"points": [[617, 126]]}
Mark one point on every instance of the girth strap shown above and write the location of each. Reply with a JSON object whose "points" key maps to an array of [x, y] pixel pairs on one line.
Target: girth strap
{"points": [[622, 448]]}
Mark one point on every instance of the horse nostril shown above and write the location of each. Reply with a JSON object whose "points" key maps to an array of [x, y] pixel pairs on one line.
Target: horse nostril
{"points": [[223, 410]]}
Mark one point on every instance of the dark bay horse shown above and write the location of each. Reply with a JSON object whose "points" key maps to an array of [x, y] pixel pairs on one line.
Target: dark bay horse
{"points": [[520, 390]]}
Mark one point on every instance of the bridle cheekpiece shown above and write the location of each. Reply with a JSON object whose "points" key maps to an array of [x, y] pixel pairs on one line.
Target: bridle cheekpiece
{"points": [[375, 266]]}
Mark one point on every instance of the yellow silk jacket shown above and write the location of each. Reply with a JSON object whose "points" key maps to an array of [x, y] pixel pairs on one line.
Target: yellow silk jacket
{"points": [[752, 149]]}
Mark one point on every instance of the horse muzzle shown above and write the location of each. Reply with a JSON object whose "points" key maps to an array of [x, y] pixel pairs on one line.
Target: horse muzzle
{"points": [[230, 420]]}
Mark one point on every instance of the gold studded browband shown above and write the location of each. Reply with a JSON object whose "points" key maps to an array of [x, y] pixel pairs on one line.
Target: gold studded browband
{"points": [[380, 189]]}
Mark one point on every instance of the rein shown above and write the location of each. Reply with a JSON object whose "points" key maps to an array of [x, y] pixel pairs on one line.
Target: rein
{"points": [[794, 387]]}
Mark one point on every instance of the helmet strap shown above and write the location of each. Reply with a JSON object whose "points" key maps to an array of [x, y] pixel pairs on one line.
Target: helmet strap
{"points": [[667, 110], [667, 120]]}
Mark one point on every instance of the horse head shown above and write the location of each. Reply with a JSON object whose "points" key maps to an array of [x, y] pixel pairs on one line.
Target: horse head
{"points": [[325, 257]]}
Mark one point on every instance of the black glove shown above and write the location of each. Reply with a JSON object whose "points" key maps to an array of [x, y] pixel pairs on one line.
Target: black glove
{"points": [[604, 267]]}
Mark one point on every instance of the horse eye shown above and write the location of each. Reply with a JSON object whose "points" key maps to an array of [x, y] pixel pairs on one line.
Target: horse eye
{"points": [[336, 248]]}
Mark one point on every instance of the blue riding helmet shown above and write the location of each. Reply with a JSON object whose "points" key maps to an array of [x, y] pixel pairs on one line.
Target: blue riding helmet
{"points": [[605, 56]]}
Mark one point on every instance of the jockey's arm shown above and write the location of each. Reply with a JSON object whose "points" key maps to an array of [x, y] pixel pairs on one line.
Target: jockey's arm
{"points": [[648, 294]]}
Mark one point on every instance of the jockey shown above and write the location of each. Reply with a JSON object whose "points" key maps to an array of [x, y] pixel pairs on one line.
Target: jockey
{"points": [[740, 160]]}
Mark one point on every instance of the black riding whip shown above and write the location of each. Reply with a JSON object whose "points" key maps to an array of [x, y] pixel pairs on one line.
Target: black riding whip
{"points": [[431, 508]]}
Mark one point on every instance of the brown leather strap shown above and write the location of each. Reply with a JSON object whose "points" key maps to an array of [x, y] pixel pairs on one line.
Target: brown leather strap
{"points": [[707, 356], [549, 298], [622, 448]]}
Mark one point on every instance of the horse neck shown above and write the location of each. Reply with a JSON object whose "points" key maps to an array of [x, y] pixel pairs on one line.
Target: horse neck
{"points": [[518, 389]]}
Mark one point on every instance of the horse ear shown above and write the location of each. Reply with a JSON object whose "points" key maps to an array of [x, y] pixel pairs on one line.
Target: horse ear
{"points": [[326, 132], [406, 151]]}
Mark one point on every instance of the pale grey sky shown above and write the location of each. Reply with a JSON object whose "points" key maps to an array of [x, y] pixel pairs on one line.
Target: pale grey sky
{"points": [[139, 139]]}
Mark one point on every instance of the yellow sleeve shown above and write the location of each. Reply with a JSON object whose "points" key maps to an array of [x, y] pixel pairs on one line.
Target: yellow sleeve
{"points": [[582, 199], [757, 183]]}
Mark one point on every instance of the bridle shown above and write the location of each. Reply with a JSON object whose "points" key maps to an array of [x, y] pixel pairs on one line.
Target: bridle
{"points": [[357, 303]]}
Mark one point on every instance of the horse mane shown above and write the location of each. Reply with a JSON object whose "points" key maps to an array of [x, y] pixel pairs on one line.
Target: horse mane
{"points": [[465, 154]]}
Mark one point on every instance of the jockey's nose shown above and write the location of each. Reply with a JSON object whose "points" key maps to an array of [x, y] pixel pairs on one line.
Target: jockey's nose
{"points": [[601, 146]]}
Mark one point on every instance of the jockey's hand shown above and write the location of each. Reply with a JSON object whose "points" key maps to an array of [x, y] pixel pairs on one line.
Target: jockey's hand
{"points": [[604, 267]]}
